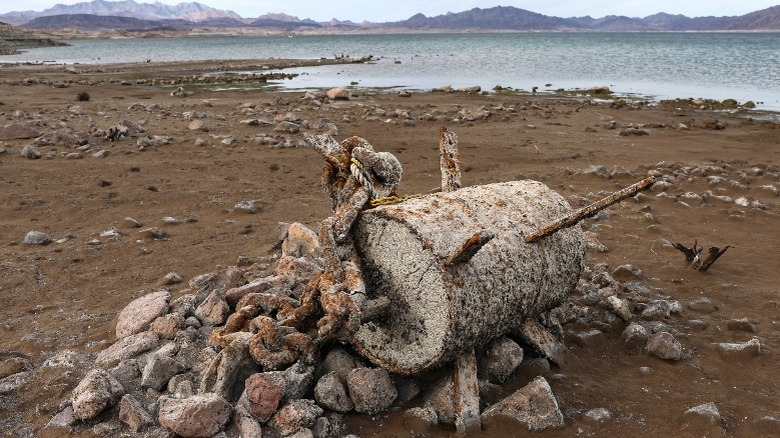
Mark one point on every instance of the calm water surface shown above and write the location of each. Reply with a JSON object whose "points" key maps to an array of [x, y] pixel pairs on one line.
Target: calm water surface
{"points": [[742, 66]]}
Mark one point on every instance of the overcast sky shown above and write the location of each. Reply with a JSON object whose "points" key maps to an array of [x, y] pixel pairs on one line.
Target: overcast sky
{"points": [[396, 10]]}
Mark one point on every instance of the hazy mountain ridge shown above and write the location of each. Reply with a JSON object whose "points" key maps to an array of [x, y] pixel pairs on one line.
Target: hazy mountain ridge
{"points": [[93, 15]]}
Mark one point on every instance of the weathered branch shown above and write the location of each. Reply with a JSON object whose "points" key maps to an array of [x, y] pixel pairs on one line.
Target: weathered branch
{"points": [[690, 253], [590, 210], [693, 255], [449, 160], [713, 254]]}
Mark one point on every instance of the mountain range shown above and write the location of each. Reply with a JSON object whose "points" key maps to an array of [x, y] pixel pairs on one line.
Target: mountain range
{"points": [[130, 15]]}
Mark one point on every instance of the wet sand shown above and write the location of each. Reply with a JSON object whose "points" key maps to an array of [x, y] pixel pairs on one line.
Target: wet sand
{"points": [[66, 295]]}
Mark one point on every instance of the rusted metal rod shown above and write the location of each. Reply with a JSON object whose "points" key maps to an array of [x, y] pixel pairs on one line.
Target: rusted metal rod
{"points": [[449, 160], [590, 210]]}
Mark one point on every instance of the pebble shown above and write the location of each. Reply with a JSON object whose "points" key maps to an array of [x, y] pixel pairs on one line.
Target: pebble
{"points": [[172, 278], [597, 415], [371, 389], [740, 349], [331, 393], [702, 420], [741, 324], [500, 359], [702, 305], [295, 415], [634, 338], [132, 413], [619, 307], [214, 310], [248, 207], [37, 238], [31, 152], [665, 346], [159, 370], [264, 392], [154, 233]]}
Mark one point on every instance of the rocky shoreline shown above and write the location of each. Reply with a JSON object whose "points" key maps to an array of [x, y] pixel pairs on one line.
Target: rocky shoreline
{"points": [[137, 188]]}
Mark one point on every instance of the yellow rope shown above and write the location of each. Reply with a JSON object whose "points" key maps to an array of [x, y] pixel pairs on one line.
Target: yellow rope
{"points": [[390, 200], [360, 175]]}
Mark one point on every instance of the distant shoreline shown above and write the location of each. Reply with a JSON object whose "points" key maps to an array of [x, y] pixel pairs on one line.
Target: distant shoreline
{"points": [[255, 32]]}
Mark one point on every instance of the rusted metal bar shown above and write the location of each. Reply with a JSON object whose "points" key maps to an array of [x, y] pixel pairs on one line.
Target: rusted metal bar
{"points": [[590, 210], [449, 160]]}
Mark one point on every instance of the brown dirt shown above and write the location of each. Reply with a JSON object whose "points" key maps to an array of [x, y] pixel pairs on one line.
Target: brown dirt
{"points": [[67, 295]]}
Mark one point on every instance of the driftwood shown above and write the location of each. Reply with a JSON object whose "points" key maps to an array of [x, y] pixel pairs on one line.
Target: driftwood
{"points": [[589, 210], [693, 255]]}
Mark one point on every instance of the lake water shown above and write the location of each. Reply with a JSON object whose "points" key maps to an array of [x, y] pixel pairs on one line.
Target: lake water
{"points": [[742, 66]]}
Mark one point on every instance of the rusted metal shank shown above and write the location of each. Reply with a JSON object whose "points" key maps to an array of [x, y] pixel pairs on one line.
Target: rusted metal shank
{"points": [[590, 210]]}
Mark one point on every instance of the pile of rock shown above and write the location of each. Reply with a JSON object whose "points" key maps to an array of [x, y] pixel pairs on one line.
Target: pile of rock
{"points": [[163, 373]]}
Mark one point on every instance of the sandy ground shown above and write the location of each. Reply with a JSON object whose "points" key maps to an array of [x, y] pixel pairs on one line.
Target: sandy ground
{"points": [[66, 295]]}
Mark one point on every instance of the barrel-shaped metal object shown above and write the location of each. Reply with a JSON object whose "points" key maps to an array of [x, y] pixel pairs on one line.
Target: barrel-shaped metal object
{"points": [[449, 290]]}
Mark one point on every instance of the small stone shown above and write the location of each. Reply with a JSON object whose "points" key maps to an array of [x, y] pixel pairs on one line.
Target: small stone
{"points": [[288, 127], [301, 241], [597, 415], [702, 420], [64, 419], [129, 222], [500, 359], [97, 391], [331, 394], [201, 415], [139, 314], [214, 310], [619, 307], [741, 324], [656, 311], [13, 365], [248, 207], [371, 390], [172, 278], [198, 125], [127, 348], [702, 305], [592, 242], [295, 415], [154, 233], [441, 398], [132, 413], [626, 273], [37, 238], [159, 370], [31, 152], [634, 338], [300, 381], [665, 346], [340, 361], [248, 427], [533, 406], [338, 94], [747, 349], [167, 325], [264, 391], [420, 419]]}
